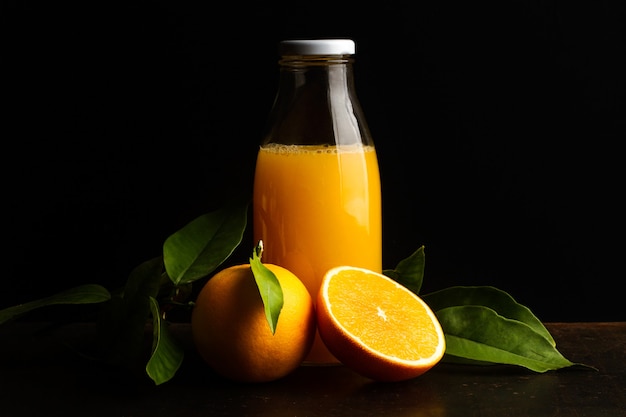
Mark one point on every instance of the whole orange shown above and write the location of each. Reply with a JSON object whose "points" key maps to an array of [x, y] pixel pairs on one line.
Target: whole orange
{"points": [[231, 332]]}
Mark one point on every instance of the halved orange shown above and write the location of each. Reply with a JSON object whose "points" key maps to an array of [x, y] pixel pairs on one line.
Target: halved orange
{"points": [[376, 326]]}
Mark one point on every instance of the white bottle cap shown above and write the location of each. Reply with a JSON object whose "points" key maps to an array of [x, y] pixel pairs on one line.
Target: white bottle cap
{"points": [[317, 47]]}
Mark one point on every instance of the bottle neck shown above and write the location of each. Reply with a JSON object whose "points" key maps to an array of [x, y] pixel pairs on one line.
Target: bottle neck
{"points": [[316, 103]]}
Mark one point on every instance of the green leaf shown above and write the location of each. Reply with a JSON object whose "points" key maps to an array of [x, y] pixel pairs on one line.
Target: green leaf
{"points": [[144, 282], [82, 294], [487, 296], [122, 325], [203, 244], [269, 288], [167, 355], [478, 333], [410, 271]]}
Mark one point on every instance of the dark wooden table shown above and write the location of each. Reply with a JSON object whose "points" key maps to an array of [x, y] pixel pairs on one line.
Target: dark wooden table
{"points": [[41, 376]]}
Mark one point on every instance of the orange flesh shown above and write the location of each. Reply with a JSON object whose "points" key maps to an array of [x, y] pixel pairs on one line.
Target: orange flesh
{"points": [[398, 325]]}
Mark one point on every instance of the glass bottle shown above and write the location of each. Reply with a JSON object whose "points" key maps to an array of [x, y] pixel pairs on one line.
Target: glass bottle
{"points": [[317, 192]]}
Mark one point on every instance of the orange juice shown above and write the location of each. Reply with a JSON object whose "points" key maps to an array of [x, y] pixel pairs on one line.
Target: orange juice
{"points": [[317, 207]]}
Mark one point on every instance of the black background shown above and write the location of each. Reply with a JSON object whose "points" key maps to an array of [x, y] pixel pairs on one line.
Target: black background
{"points": [[499, 128]]}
